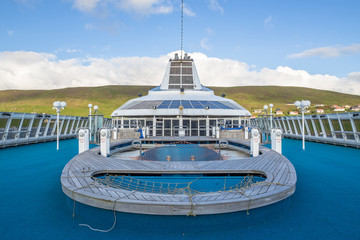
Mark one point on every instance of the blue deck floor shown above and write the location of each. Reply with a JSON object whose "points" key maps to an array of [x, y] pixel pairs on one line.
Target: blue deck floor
{"points": [[324, 206]]}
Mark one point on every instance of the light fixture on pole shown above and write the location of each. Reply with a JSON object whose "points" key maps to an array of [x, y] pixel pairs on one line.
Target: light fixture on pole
{"points": [[271, 106], [266, 123], [95, 121], [302, 106], [90, 106], [58, 106]]}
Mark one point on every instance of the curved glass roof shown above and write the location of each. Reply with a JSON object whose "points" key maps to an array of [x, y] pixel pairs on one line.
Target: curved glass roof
{"points": [[187, 104]]}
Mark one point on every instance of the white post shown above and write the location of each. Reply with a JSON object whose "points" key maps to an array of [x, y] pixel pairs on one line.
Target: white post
{"points": [[154, 126], [147, 132], [271, 106], [105, 142], [255, 141], [58, 128], [181, 127], [303, 128], [83, 140], [90, 106], [302, 106], [276, 140], [207, 126], [217, 132], [247, 133], [58, 106], [115, 133]]}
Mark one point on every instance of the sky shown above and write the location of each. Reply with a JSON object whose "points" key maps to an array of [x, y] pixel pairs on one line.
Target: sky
{"points": [[70, 43]]}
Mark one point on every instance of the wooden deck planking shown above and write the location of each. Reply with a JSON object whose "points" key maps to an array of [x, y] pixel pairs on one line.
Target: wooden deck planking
{"points": [[268, 161]]}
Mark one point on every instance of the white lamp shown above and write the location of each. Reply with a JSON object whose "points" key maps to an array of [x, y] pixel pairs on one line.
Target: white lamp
{"points": [[58, 106], [302, 106], [271, 106]]}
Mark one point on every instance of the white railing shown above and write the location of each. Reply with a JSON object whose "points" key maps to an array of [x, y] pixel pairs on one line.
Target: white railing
{"points": [[337, 128], [24, 128]]}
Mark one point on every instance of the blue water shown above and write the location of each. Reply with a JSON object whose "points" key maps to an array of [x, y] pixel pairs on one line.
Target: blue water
{"points": [[181, 152], [324, 206], [179, 183]]}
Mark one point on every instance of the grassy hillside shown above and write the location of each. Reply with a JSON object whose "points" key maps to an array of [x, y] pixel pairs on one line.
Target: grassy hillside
{"points": [[108, 98]]}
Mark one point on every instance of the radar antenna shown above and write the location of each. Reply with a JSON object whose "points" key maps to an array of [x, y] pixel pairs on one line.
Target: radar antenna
{"points": [[182, 17]]}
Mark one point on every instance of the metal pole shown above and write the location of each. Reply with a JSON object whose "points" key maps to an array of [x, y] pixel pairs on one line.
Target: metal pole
{"points": [[303, 128], [90, 123], [58, 126], [271, 125], [140, 148]]}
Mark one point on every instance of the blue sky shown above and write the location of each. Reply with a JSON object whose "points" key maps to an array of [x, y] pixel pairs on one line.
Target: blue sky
{"points": [[319, 37]]}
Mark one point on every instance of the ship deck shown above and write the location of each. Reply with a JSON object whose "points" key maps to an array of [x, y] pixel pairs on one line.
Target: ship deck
{"points": [[78, 183]]}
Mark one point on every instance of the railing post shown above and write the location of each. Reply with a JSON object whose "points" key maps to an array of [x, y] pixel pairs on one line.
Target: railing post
{"points": [[105, 142], [255, 141], [83, 140], [247, 133], [276, 140]]}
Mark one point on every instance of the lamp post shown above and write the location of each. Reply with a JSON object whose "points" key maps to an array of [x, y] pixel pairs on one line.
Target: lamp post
{"points": [[302, 106], [90, 106], [58, 106], [95, 122], [271, 106], [266, 124]]}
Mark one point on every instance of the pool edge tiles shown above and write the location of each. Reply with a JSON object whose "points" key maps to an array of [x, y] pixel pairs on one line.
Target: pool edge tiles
{"points": [[78, 184]]}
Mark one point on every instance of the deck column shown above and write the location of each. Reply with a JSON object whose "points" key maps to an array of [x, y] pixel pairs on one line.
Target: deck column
{"points": [[154, 126], [207, 126]]}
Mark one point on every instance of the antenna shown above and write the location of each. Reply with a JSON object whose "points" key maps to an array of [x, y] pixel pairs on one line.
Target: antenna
{"points": [[182, 17]]}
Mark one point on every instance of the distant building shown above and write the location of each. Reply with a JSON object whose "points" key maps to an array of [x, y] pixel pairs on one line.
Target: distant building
{"points": [[334, 106], [257, 110], [347, 107], [290, 104], [307, 111], [293, 113], [278, 112], [355, 109], [319, 105], [319, 110], [339, 109]]}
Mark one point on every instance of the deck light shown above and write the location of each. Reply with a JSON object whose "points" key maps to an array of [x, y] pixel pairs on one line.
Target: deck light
{"points": [[58, 106], [302, 106], [90, 106], [271, 106]]}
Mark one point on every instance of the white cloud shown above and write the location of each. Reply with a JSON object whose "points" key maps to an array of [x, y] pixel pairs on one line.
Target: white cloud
{"points": [[145, 6], [188, 11], [214, 5], [328, 52], [141, 7], [10, 32], [31, 70], [210, 32], [85, 5], [268, 22], [68, 50], [204, 43]]}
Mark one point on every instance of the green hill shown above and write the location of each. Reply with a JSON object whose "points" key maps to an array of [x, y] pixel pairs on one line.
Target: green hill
{"points": [[108, 98]]}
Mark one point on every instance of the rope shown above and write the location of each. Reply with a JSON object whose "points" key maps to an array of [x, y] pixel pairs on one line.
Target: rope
{"points": [[100, 230]]}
